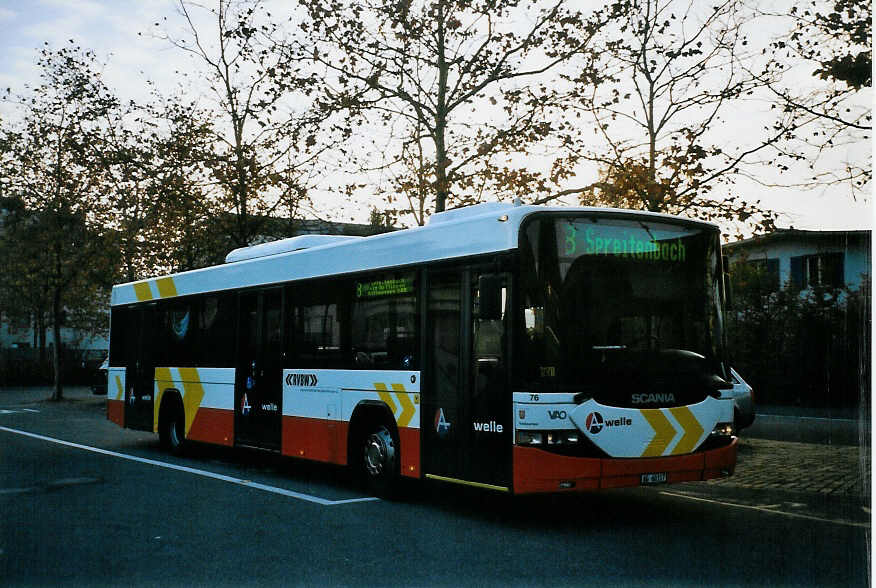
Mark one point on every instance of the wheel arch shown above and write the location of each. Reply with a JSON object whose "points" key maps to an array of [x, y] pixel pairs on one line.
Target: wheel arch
{"points": [[367, 414], [170, 399]]}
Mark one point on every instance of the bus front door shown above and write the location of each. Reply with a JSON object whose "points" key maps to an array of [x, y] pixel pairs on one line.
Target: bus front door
{"points": [[466, 422], [258, 388]]}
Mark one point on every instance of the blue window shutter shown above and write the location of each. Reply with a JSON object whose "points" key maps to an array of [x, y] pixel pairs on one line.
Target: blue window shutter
{"points": [[797, 272]]}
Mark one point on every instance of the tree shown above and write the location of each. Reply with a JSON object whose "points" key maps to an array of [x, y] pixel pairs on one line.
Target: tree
{"points": [[673, 76], [831, 42], [460, 87], [263, 158], [23, 289], [157, 182], [52, 168]]}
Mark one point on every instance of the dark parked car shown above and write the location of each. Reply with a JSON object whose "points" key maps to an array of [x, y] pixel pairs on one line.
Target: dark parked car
{"points": [[98, 384]]}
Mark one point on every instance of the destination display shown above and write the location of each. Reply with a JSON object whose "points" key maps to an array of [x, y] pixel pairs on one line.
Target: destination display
{"points": [[636, 242], [389, 287]]}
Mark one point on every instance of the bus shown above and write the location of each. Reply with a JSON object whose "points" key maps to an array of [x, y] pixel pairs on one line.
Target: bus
{"points": [[522, 349]]}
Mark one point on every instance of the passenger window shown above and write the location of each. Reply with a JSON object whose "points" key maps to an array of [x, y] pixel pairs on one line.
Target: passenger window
{"points": [[384, 322], [216, 337], [318, 321]]}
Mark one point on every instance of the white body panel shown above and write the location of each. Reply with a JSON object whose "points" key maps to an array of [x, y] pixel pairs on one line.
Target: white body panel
{"points": [[115, 386], [216, 384], [632, 432], [543, 412], [334, 394]]}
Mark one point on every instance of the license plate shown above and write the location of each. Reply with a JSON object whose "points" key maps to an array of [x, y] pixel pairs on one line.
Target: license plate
{"points": [[658, 478]]}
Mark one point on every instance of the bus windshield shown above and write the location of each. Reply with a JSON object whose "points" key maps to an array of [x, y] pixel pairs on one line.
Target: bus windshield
{"points": [[623, 308]]}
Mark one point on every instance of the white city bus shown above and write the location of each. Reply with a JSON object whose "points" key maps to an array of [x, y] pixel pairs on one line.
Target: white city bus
{"points": [[517, 348]]}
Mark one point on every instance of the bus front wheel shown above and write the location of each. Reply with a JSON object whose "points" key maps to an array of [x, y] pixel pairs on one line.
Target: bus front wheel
{"points": [[380, 461]]}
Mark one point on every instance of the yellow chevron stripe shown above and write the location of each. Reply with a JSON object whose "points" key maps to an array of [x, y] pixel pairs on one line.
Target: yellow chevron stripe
{"points": [[166, 287], [142, 291], [664, 432], [692, 429], [193, 393], [405, 410], [161, 375], [120, 390], [385, 396], [404, 419]]}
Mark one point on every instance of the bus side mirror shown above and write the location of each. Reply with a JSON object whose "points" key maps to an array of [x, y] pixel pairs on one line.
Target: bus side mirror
{"points": [[490, 297]]}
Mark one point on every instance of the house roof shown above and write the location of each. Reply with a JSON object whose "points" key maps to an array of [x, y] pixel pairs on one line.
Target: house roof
{"points": [[787, 234]]}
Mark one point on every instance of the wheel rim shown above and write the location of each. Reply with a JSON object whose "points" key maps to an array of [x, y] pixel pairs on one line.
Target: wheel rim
{"points": [[379, 453]]}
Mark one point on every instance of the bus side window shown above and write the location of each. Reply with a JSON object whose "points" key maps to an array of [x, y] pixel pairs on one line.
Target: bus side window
{"points": [[317, 328], [216, 331], [384, 322], [120, 329], [178, 335]]}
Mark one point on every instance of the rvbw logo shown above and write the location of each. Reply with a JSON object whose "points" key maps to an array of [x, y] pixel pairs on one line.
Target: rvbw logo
{"points": [[301, 380]]}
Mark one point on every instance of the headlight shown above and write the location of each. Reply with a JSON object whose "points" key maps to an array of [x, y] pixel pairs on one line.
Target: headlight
{"points": [[547, 437], [529, 438], [723, 430]]}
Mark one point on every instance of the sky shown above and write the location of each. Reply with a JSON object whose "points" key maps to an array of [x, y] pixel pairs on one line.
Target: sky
{"points": [[111, 29]]}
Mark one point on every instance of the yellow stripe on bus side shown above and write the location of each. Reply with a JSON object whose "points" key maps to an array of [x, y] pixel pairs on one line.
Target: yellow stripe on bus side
{"points": [[120, 390], [166, 287], [193, 393], [142, 291], [161, 375], [385, 396]]}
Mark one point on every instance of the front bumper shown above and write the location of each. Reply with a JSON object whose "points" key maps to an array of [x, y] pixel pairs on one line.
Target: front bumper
{"points": [[536, 470]]}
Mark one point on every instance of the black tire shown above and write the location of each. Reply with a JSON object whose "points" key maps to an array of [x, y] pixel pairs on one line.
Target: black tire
{"points": [[379, 461], [172, 427]]}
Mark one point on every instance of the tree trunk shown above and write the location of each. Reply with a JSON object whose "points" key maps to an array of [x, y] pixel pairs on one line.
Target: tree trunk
{"points": [[41, 333], [58, 393]]}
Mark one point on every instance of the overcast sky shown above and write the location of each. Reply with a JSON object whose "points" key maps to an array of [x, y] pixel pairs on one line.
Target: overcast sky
{"points": [[110, 28]]}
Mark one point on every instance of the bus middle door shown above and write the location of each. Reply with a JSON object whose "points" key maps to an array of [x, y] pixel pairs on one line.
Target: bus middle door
{"points": [[466, 403]]}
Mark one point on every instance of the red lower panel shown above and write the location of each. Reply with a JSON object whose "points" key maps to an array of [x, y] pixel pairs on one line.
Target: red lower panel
{"points": [[213, 425], [540, 471], [316, 439], [115, 412], [325, 440], [409, 439]]}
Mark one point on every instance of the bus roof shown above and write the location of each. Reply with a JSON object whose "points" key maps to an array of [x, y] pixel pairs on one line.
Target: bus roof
{"points": [[463, 232]]}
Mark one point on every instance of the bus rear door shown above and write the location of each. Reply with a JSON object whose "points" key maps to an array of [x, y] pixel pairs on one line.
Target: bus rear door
{"points": [[140, 369], [258, 393]]}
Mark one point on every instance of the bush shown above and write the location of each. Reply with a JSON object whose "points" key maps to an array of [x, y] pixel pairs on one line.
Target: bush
{"points": [[809, 348]]}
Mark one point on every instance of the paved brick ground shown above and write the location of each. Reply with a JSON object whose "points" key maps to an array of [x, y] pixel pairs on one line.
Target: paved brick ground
{"points": [[836, 470]]}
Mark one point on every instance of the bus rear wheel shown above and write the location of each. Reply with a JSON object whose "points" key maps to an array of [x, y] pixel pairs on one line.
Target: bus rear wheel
{"points": [[171, 427], [380, 461]]}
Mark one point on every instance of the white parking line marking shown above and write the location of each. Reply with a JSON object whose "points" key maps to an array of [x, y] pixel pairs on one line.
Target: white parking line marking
{"points": [[789, 417], [769, 510], [197, 472]]}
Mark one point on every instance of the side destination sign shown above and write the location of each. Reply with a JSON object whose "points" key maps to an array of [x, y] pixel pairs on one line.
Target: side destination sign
{"points": [[389, 287]]}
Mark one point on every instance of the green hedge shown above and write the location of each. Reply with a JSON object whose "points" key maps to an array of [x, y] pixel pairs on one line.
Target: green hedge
{"points": [[809, 348]]}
